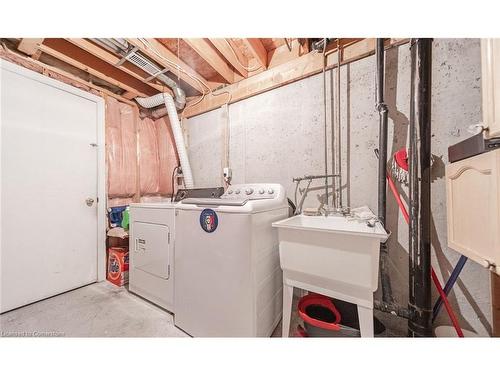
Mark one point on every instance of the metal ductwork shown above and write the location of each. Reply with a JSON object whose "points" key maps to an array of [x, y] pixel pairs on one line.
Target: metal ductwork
{"points": [[130, 53]]}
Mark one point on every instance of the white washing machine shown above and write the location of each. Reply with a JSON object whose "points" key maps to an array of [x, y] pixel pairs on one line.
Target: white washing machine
{"points": [[151, 254], [228, 280]]}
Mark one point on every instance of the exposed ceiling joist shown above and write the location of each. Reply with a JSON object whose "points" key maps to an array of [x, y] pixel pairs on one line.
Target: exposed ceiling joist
{"points": [[113, 60], [207, 53], [30, 46], [230, 55], [291, 71], [57, 73], [285, 53], [190, 76], [258, 50], [98, 68], [129, 95]]}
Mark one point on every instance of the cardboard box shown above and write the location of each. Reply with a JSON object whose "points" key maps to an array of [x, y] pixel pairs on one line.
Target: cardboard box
{"points": [[118, 265]]}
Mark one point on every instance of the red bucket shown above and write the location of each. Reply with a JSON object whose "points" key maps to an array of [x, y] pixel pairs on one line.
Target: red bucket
{"points": [[319, 311]]}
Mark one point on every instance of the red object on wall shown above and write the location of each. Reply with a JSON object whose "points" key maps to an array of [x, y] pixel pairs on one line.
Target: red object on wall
{"points": [[118, 265]]}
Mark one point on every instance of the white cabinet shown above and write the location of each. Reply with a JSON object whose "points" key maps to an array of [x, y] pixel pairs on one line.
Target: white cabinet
{"points": [[490, 67], [473, 208]]}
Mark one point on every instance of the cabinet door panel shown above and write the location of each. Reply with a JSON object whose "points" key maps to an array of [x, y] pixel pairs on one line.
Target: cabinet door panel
{"points": [[490, 66], [472, 187]]}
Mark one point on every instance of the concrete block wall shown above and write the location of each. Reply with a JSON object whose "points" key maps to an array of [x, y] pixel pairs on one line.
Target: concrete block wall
{"points": [[278, 135]]}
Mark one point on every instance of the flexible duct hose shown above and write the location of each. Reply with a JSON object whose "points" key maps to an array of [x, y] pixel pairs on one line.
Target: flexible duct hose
{"points": [[166, 98]]}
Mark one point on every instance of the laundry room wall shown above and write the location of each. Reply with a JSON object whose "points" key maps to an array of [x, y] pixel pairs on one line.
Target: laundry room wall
{"points": [[278, 135], [140, 155]]}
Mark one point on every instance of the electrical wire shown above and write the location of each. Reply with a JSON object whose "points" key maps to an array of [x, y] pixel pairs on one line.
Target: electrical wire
{"points": [[178, 58], [248, 69], [202, 84]]}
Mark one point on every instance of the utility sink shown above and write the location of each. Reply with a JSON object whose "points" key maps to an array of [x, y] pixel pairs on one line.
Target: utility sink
{"points": [[339, 254]]}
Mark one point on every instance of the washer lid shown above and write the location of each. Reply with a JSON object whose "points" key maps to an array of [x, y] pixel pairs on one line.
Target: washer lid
{"points": [[215, 201]]}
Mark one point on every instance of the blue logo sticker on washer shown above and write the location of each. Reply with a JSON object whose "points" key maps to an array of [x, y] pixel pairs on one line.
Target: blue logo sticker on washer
{"points": [[208, 220]]}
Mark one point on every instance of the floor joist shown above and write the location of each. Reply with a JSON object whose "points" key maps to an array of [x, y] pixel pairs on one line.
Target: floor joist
{"points": [[294, 70]]}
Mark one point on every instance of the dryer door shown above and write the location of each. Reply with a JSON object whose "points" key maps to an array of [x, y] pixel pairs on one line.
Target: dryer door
{"points": [[152, 249]]}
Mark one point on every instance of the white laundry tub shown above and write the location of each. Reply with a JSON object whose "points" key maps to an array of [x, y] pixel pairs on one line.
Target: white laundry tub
{"points": [[333, 252]]}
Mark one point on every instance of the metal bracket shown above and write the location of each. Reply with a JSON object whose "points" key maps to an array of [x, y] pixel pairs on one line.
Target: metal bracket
{"points": [[125, 58], [156, 74]]}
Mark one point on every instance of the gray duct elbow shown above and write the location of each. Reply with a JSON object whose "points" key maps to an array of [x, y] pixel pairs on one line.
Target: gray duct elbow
{"points": [[179, 97]]}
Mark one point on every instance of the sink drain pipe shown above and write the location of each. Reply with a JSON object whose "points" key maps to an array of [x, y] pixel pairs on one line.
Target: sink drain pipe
{"points": [[382, 168], [387, 304], [419, 302]]}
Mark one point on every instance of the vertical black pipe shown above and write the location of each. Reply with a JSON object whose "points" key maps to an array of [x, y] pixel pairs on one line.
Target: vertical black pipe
{"points": [[420, 323], [382, 167], [382, 147]]}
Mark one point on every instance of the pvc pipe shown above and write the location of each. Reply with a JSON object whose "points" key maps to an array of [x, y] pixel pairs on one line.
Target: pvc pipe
{"points": [[166, 98]]}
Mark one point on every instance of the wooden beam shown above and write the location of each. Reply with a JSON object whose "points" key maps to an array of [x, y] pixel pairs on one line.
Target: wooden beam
{"points": [[230, 55], [59, 74], [129, 95], [113, 60], [70, 54], [207, 53], [282, 54], [292, 71], [30, 46], [258, 50], [167, 54]]}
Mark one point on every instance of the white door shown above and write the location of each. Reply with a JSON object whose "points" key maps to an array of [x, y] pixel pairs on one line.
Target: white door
{"points": [[50, 135]]}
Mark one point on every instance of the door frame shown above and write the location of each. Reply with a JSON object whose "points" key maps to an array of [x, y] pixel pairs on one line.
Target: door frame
{"points": [[101, 146]]}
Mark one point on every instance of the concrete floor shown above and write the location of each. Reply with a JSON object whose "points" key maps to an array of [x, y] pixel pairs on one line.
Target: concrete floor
{"points": [[96, 310], [104, 310]]}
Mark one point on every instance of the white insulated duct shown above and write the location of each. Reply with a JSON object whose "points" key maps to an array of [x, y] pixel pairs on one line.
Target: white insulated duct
{"points": [[165, 98]]}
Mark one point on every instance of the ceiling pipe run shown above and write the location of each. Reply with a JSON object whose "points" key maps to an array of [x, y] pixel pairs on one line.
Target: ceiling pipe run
{"points": [[129, 53]]}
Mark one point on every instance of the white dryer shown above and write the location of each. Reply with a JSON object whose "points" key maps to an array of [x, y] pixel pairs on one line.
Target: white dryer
{"points": [[151, 254], [228, 279], [151, 250]]}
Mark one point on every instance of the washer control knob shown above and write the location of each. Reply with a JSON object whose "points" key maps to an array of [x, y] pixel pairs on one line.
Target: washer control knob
{"points": [[237, 191], [249, 191], [261, 191], [230, 192], [270, 191]]}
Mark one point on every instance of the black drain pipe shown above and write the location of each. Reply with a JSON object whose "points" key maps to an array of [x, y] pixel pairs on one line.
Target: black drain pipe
{"points": [[382, 168], [419, 304]]}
